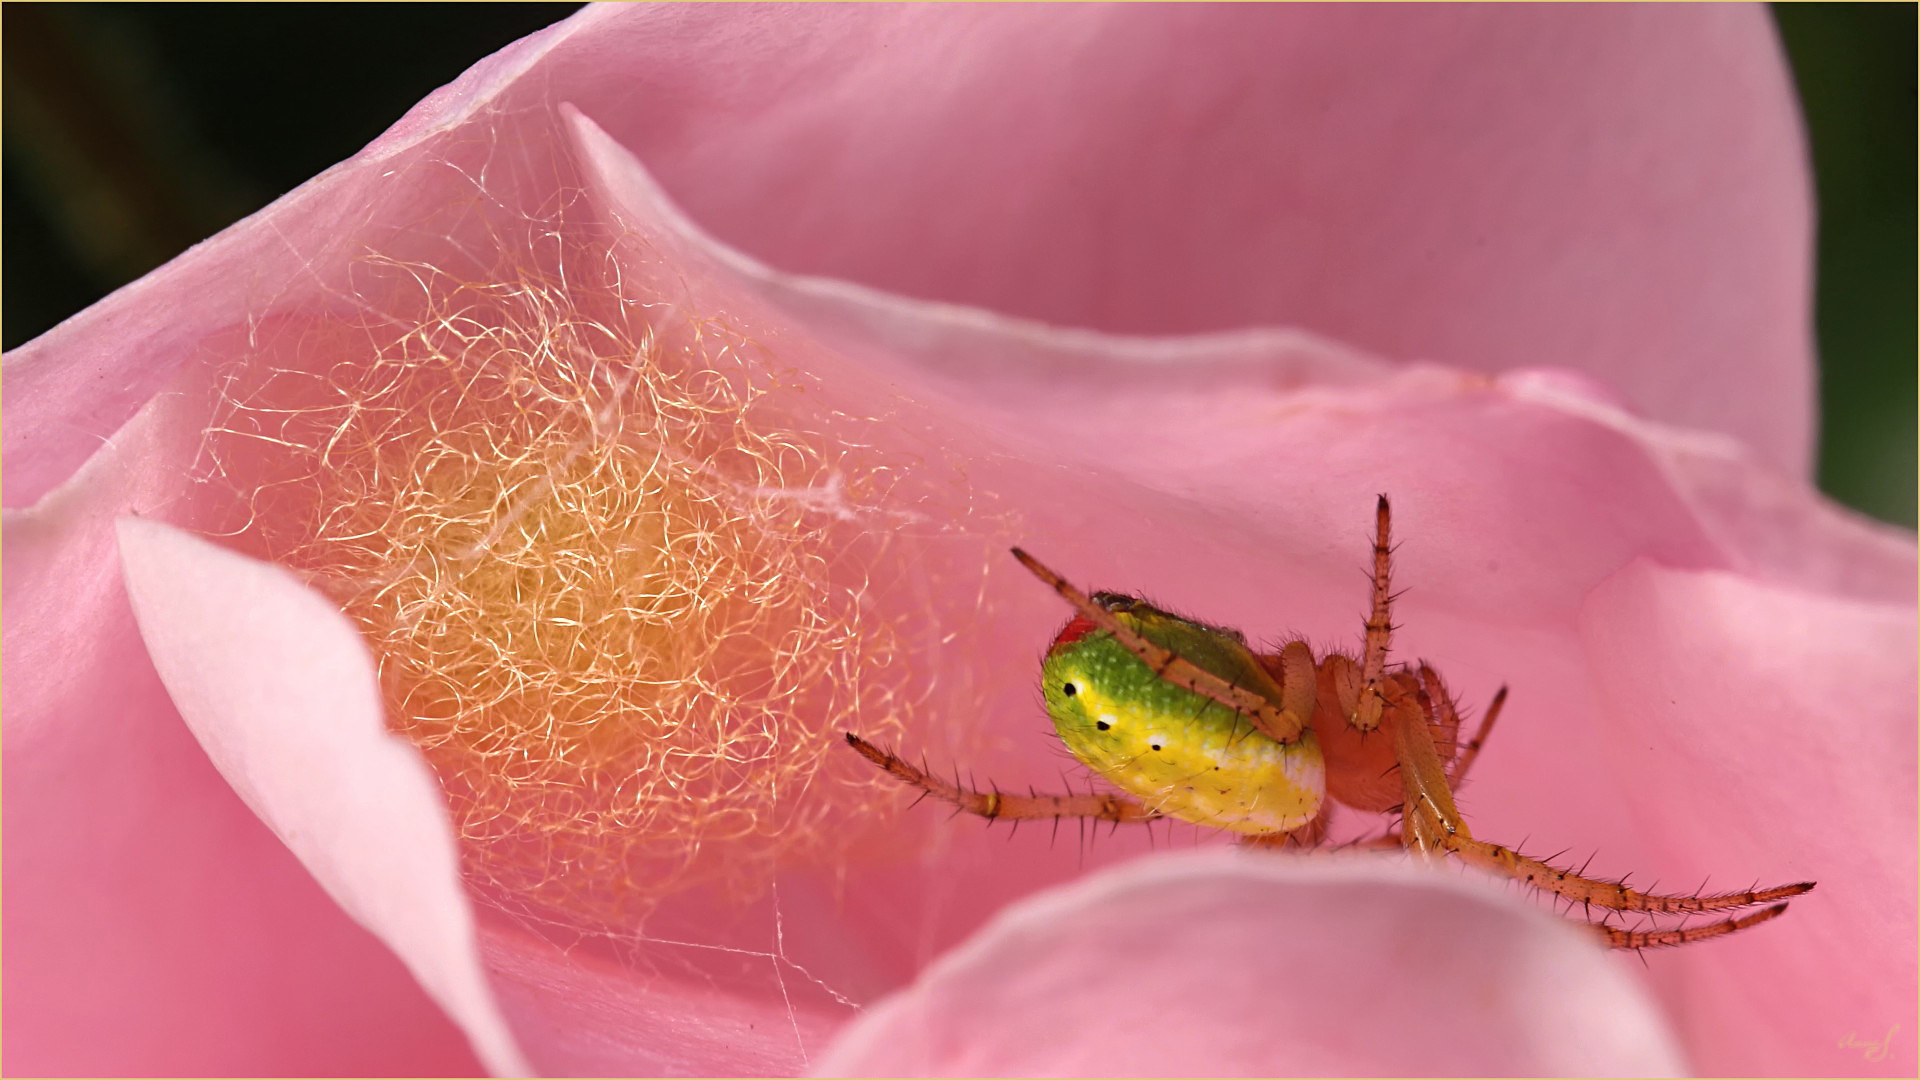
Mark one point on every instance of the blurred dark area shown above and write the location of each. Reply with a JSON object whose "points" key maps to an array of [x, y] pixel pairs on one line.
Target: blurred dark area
{"points": [[133, 131], [1855, 67]]}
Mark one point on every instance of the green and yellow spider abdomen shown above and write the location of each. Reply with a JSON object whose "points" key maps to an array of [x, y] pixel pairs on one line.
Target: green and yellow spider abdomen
{"points": [[1175, 750]]}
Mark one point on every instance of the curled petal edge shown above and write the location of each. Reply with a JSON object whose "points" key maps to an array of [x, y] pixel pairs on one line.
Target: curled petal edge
{"points": [[1202, 964], [280, 690]]}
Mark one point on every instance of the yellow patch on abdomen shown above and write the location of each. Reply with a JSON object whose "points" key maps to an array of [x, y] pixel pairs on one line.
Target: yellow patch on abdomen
{"points": [[1210, 768]]}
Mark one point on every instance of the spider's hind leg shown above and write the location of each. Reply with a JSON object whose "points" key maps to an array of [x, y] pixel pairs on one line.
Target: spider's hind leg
{"points": [[997, 805]]}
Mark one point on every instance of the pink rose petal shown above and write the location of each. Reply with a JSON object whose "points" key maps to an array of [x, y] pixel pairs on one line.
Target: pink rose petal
{"points": [[1216, 965], [1616, 190], [1627, 203], [582, 1016], [153, 925], [1800, 760], [281, 692], [1579, 478]]}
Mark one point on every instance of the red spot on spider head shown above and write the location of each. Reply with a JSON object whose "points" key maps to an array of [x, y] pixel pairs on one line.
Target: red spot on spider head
{"points": [[1077, 627]]}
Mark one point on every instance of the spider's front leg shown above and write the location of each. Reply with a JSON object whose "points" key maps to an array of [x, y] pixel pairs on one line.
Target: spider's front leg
{"points": [[998, 805], [1373, 662], [1432, 824], [1463, 760]]}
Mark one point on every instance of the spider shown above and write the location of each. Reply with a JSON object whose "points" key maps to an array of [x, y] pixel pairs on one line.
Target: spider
{"points": [[1190, 722]]}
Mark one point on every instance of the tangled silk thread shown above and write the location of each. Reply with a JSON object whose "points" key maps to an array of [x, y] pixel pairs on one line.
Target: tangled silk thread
{"points": [[618, 591]]}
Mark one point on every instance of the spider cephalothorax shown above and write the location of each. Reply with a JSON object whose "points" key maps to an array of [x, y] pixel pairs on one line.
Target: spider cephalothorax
{"points": [[1190, 722]]}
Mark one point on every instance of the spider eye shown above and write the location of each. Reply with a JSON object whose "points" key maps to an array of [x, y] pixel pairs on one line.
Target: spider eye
{"points": [[1102, 725], [1156, 746], [1069, 689]]}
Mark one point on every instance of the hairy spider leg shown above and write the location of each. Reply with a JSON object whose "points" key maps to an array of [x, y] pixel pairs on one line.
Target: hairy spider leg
{"points": [[1611, 895], [1427, 811], [1299, 686], [1471, 752], [1280, 722], [1656, 939], [1369, 704], [1444, 716], [1412, 703], [1373, 662], [1431, 824], [997, 805]]}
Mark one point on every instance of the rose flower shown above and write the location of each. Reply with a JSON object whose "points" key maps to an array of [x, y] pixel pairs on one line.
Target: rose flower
{"points": [[435, 603]]}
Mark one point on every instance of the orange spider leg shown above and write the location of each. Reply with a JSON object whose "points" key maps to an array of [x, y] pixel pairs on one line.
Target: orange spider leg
{"points": [[1274, 721], [996, 805], [1373, 662], [1444, 716], [1428, 816], [1431, 823], [1471, 752], [1605, 894], [1654, 939], [1299, 685]]}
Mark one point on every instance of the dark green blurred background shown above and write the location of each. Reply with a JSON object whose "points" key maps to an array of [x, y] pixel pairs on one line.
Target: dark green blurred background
{"points": [[132, 131]]}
